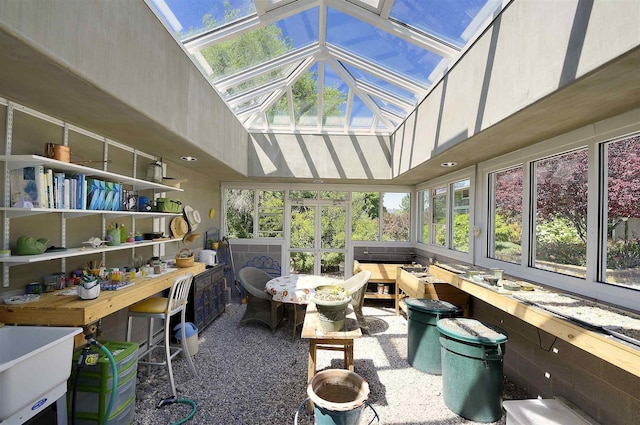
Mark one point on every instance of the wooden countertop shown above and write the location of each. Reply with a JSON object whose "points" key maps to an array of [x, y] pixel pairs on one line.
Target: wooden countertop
{"points": [[612, 351], [69, 310]]}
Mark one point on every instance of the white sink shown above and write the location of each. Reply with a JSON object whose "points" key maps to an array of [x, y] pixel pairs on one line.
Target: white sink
{"points": [[35, 363]]}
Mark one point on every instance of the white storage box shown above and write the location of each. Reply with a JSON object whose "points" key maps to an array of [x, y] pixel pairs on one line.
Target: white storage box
{"points": [[544, 412]]}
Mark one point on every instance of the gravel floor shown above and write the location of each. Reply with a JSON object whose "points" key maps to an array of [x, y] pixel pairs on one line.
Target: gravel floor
{"points": [[250, 376]]}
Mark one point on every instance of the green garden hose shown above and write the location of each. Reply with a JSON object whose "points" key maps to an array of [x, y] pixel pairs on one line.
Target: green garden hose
{"points": [[171, 400]]}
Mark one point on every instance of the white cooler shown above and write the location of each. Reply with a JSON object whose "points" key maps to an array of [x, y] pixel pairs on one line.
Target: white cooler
{"points": [[544, 412]]}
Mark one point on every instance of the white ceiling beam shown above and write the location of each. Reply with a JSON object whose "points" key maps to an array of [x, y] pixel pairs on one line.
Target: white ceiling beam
{"points": [[386, 9], [261, 6], [378, 71], [242, 26], [348, 79], [268, 66], [415, 37]]}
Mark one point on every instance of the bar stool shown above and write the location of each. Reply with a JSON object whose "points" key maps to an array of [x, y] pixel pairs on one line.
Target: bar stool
{"points": [[165, 308]]}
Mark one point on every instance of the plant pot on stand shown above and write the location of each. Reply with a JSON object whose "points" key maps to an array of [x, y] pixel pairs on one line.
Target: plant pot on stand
{"points": [[331, 303]]}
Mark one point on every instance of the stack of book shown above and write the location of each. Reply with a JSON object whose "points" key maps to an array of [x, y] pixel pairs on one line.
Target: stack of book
{"points": [[47, 188]]}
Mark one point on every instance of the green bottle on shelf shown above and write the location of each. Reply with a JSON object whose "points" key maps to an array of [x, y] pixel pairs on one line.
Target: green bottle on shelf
{"points": [[123, 234]]}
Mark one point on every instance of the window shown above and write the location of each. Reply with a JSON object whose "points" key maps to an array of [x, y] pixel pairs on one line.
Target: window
{"points": [[426, 211], [439, 216], [239, 213], [461, 215], [505, 241], [396, 216], [560, 215], [365, 216], [271, 214], [621, 233]]}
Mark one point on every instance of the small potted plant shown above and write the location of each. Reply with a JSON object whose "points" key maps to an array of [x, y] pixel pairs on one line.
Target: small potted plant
{"points": [[331, 302]]}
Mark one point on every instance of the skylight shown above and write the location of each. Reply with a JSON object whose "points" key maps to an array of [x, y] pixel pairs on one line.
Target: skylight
{"points": [[336, 66]]}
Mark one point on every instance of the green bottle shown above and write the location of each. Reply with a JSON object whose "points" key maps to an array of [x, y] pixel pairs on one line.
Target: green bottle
{"points": [[123, 234]]}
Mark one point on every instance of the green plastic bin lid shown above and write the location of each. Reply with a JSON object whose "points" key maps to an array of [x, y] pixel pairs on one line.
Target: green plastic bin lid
{"points": [[471, 330], [428, 305]]}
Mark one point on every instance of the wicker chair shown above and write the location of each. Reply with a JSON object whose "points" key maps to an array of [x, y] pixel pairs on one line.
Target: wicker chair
{"points": [[356, 285], [260, 306]]}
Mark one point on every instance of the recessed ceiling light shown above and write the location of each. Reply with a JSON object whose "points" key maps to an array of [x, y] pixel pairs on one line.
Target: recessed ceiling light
{"points": [[188, 158], [449, 164]]}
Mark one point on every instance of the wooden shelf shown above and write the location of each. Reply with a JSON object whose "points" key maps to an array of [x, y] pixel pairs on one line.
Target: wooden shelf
{"points": [[77, 252], [376, 296], [20, 161], [72, 213]]}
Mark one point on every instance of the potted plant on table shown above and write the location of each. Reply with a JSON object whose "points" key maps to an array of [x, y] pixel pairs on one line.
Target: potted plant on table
{"points": [[331, 302]]}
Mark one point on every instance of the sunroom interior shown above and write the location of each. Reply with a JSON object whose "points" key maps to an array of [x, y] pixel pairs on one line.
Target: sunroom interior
{"points": [[471, 134]]}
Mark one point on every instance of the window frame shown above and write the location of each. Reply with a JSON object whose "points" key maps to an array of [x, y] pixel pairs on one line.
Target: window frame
{"points": [[592, 137], [448, 181]]}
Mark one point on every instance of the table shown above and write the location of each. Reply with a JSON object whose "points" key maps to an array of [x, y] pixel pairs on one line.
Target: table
{"points": [[326, 340], [296, 289], [69, 310]]}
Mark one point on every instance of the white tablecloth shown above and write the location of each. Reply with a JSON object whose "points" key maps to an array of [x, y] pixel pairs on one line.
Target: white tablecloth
{"points": [[296, 288]]}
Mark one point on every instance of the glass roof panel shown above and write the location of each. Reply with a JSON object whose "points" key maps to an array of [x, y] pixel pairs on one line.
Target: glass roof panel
{"points": [[361, 116], [260, 45], [390, 107], [360, 75], [188, 18], [278, 114], [305, 98], [445, 19], [334, 99], [277, 73], [251, 61], [250, 103], [378, 46]]}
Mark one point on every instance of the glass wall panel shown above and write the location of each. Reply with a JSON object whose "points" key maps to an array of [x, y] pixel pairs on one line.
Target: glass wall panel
{"points": [[461, 219], [332, 264], [271, 214], [303, 194], [439, 216], [365, 216], [240, 213], [622, 242], [333, 195], [506, 228], [396, 216], [334, 227], [301, 262], [426, 216], [303, 233], [560, 233]]}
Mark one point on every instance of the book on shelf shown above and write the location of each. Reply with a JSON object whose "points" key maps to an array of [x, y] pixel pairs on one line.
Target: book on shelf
{"points": [[27, 184]]}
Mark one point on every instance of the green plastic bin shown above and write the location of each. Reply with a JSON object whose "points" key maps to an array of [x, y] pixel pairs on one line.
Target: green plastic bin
{"points": [[472, 363], [423, 345]]}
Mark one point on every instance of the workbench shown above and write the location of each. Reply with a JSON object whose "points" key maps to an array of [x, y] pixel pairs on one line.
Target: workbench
{"points": [[69, 310]]}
